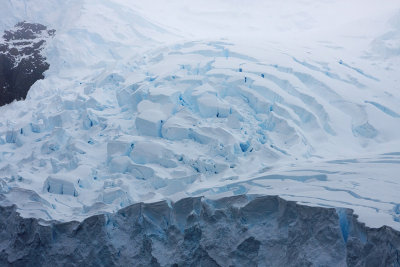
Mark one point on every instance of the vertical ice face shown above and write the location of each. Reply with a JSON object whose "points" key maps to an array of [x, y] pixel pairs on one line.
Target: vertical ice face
{"points": [[233, 231], [21, 60]]}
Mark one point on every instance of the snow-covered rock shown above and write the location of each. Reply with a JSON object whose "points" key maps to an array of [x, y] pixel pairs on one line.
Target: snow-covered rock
{"points": [[21, 59]]}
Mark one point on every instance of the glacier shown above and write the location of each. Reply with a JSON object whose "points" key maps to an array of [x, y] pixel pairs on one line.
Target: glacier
{"points": [[164, 102]]}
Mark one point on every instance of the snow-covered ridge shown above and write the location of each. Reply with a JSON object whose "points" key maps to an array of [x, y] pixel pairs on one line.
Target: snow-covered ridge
{"points": [[130, 112]]}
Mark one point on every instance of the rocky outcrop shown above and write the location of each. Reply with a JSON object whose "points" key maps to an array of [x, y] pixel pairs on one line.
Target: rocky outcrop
{"points": [[243, 230], [21, 60]]}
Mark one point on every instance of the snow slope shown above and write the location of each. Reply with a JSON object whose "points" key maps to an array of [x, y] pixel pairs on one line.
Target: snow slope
{"points": [[151, 101]]}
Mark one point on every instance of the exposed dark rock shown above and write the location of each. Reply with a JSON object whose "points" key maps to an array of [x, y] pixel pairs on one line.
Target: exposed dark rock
{"points": [[234, 231], [21, 60]]}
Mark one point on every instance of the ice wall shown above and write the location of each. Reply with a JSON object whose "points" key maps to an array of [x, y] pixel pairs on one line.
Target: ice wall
{"points": [[235, 231]]}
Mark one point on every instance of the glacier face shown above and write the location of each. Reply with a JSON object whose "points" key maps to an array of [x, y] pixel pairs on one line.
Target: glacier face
{"points": [[234, 231], [145, 108]]}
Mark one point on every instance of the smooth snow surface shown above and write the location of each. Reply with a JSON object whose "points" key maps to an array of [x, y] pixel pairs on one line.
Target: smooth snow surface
{"points": [[167, 99]]}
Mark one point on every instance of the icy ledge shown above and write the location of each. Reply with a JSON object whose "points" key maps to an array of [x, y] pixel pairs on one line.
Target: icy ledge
{"points": [[245, 230]]}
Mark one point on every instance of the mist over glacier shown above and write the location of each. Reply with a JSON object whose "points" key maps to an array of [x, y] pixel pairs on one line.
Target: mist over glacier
{"points": [[150, 100]]}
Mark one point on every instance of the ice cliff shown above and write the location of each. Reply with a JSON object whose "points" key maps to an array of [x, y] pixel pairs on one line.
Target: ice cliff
{"points": [[234, 231]]}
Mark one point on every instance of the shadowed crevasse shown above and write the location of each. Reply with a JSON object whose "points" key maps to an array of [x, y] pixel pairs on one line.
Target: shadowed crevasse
{"points": [[21, 60], [245, 230]]}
